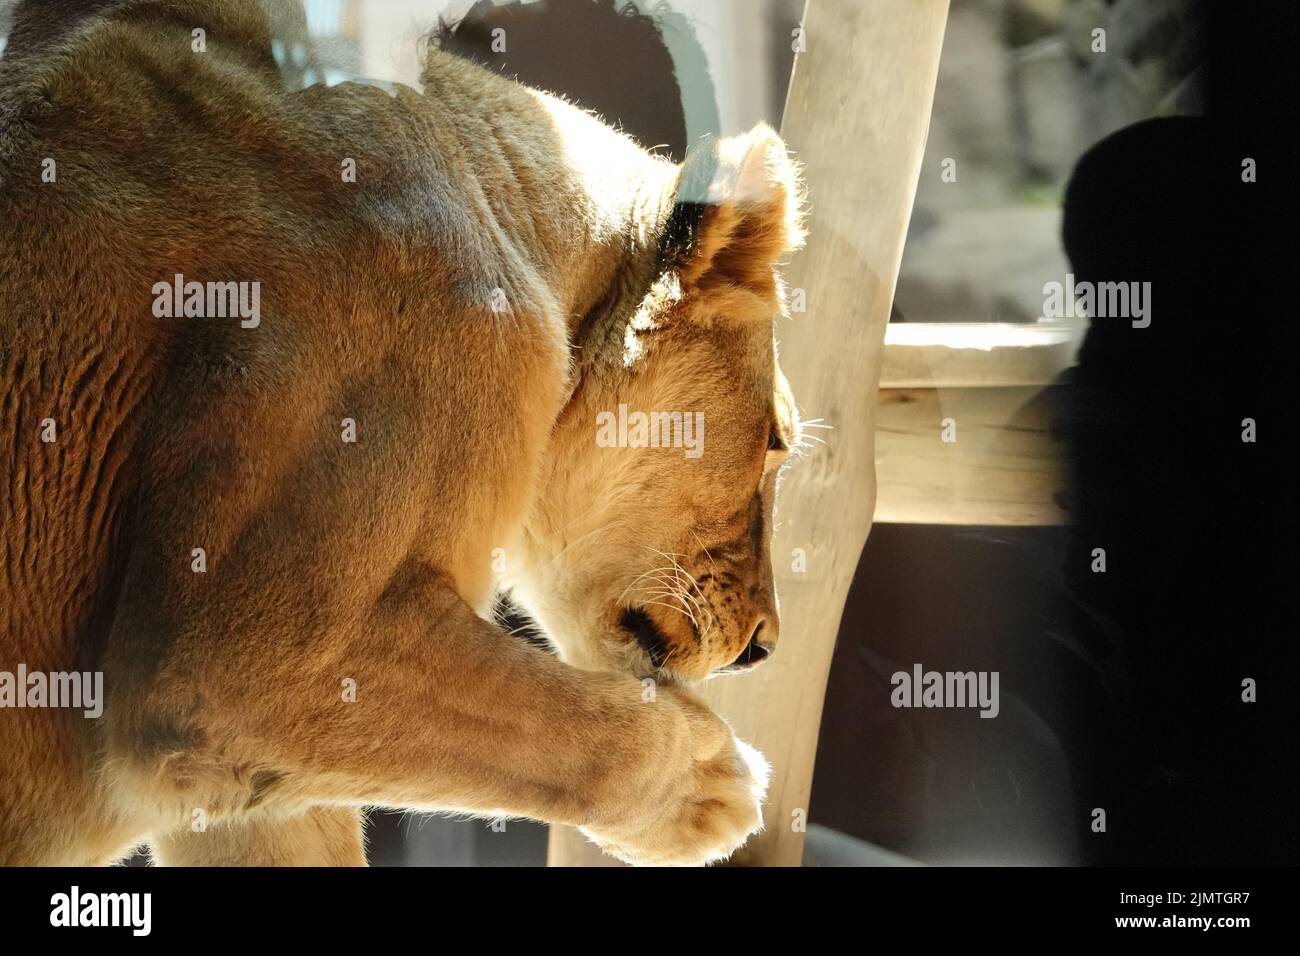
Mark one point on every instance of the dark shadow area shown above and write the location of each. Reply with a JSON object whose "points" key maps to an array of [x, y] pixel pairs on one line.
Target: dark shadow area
{"points": [[946, 785], [1157, 690]]}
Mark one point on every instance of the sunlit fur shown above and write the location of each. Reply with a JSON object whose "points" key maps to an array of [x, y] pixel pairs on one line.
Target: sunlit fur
{"points": [[372, 561], [685, 540]]}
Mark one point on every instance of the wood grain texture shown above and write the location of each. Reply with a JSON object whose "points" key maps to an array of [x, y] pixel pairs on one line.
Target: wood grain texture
{"points": [[1002, 468], [965, 354], [857, 117]]}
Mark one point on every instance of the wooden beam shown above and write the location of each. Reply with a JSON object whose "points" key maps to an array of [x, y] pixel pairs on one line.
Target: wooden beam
{"points": [[1001, 466], [857, 116], [977, 354]]}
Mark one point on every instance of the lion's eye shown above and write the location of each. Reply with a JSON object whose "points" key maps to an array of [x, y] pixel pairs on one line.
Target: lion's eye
{"points": [[774, 442]]}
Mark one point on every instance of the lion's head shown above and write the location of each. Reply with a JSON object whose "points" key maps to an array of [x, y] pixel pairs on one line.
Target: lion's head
{"points": [[649, 550]]}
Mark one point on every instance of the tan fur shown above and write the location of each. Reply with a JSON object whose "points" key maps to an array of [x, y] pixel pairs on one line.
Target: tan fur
{"points": [[371, 561]]}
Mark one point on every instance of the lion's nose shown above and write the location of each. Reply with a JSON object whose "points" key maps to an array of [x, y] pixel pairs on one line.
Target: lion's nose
{"points": [[756, 651]]}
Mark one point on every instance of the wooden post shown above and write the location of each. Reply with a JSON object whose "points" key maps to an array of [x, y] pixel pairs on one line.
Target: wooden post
{"points": [[856, 117]]}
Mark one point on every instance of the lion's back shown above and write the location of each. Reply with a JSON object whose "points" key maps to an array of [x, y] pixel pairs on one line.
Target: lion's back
{"points": [[130, 159], [123, 160]]}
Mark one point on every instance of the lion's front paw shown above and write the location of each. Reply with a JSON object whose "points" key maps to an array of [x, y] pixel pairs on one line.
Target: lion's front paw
{"points": [[714, 807]]}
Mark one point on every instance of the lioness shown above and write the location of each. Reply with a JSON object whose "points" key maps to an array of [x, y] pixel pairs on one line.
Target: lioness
{"points": [[279, 536]]}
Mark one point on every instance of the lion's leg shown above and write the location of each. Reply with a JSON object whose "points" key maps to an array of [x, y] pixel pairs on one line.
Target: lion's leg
{"points": [[449, 713], [417, 704], [322, 836]]}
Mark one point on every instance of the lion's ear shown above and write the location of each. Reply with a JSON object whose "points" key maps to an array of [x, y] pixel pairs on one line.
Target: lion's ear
{"points": [[736, 214]]}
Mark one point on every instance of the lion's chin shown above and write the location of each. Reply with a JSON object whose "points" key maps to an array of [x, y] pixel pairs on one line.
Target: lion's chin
{"points": [[629, 642], [648, 636]]}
